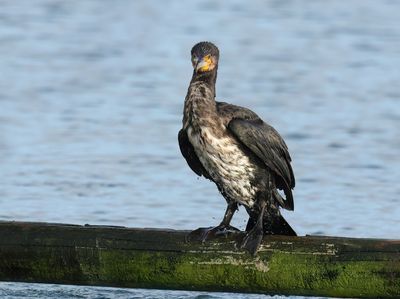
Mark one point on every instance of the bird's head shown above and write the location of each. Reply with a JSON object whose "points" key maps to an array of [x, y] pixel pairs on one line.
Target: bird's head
{"points": [[205, 57]]}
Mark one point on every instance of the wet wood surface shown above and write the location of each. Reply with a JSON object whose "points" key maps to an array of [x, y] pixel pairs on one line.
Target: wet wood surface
{"points": [[164, 259]]}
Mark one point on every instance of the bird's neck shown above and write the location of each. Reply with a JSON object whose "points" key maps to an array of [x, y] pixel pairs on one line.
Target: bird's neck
{"points": [[208, 78], [200, 105]]}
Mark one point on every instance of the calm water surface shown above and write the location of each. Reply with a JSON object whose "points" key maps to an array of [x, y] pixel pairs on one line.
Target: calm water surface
{"points": [[91, 97]]}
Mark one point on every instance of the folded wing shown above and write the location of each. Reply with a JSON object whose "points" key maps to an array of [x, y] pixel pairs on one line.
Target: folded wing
{"points": [[266, 143], [190, 155]]}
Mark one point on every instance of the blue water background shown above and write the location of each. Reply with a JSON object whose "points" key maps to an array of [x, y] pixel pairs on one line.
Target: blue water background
{"points": [[91, 97]]}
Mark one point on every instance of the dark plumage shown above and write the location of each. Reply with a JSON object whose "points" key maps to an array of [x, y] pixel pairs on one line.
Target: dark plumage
{"points": [[230, 145]]}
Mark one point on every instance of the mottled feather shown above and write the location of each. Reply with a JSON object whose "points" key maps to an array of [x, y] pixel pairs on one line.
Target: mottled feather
{"points": [[190, 156], [265, 142]]}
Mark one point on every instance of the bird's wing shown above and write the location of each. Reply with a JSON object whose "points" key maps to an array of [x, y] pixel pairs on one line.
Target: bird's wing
{"points": [[229, 112], [189, 154], [266, 143]]}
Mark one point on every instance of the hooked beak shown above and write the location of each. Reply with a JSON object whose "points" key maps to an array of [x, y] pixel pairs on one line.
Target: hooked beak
{"points": [[204, 64]]}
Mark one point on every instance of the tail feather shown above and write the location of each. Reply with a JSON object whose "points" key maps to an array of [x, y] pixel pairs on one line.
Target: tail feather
{"points": [[286, 203], [273, 225], [278, 226]]}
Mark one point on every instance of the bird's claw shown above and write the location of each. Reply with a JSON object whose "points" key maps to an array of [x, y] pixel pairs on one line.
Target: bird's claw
{"points": [[252, 240], [203, 234]]}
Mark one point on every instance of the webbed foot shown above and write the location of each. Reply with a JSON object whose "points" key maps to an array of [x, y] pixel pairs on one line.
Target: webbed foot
{"points": [[252, 241], [203, 234]]}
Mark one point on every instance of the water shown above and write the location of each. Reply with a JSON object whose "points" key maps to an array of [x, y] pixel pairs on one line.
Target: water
{"points": [[47, 291], [91, 96]]}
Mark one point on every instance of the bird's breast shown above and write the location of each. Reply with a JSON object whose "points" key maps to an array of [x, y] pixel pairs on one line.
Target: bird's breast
{"points": [[226, 162]]}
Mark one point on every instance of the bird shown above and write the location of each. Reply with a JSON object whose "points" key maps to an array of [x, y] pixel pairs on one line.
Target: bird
{"points": [[233, 147]]}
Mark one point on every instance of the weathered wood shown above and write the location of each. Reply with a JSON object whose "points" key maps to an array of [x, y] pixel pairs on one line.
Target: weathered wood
{"points": [[153, 258]]}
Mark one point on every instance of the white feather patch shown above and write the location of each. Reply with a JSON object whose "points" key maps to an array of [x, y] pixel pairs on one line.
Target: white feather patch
{"points": [[226, 163]]}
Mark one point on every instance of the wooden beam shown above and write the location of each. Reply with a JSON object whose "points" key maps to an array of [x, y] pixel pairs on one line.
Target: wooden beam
{"points": [[162, 259]]}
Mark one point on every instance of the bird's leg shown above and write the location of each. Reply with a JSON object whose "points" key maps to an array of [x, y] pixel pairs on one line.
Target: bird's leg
{"points": [[253, 238], [255, 231], [223, 229], [230, 210]]}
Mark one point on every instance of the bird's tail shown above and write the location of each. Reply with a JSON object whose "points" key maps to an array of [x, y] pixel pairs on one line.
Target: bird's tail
{"points": [[278, 226], [273, 225]]}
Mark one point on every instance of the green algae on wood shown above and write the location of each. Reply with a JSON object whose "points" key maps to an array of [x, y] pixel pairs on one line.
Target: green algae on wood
{"points": [[154, 258]]}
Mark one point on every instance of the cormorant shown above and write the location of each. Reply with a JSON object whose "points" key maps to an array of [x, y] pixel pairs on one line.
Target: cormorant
{"points": [[245, 157]]}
